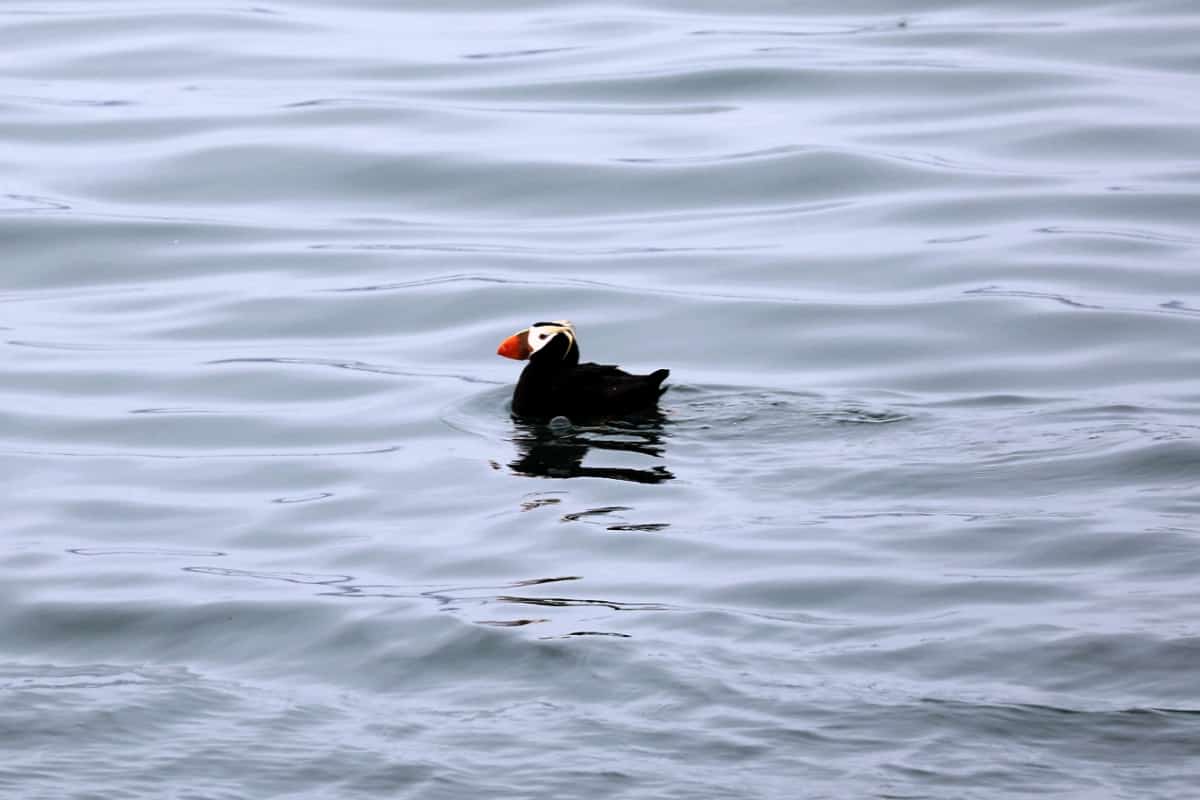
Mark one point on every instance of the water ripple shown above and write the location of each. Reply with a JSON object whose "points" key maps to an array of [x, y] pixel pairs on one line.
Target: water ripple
{"points": [[917, 517]]}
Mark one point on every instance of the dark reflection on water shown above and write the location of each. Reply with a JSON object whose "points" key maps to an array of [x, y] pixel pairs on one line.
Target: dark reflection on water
{"points": [[454, 599], [558, 451], [567, 602]]}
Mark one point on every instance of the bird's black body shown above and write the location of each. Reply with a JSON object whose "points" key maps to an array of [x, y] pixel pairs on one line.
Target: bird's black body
{"points": [[554, 383]]}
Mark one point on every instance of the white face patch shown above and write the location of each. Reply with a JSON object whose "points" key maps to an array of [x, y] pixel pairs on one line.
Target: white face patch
{"points": [[540, 335]]}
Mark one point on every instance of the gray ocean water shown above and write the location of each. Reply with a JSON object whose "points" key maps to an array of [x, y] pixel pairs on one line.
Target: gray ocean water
{"points": [[921, 518]]}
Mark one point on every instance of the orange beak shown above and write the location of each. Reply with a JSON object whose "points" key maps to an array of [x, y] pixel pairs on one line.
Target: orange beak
{"points": [[515, 346]]}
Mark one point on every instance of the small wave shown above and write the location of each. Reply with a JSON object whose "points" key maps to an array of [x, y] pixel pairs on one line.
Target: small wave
{"points": [[1174, 307]]}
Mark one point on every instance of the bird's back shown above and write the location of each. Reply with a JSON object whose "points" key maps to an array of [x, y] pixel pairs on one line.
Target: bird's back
{"points": [[587, 391]]}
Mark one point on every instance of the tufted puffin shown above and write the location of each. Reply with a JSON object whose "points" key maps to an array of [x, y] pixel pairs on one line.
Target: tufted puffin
{"points": [[554, 383]]}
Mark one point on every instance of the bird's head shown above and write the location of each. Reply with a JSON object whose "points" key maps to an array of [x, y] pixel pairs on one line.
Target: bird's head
{"points": [[549, 341]]}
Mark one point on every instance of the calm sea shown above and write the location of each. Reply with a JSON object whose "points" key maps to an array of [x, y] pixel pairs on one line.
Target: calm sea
{"points": [[921, 517]]}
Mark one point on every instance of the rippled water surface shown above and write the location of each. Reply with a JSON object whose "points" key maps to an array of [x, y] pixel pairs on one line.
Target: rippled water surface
{"points": [[919, 517]]}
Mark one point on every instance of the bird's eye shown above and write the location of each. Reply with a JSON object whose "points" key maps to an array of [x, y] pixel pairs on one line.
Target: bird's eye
{"points": [[542, 336]]}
